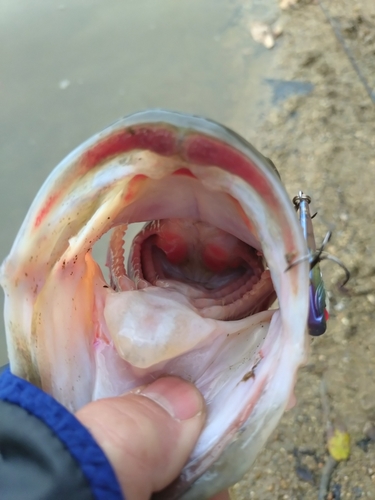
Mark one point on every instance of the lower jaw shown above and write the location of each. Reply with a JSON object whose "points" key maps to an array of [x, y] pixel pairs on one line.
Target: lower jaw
{"points": [[238, 370], [257, 411]]}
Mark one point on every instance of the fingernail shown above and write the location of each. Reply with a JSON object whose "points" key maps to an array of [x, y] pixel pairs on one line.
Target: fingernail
{"points": [[179, 398]]}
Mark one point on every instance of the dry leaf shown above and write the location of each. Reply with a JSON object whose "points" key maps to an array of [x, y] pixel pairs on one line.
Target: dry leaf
{"points": [[285, 4], [262, 33]]}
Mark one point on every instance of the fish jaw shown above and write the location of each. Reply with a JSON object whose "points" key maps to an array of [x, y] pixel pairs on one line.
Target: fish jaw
{"points": [[123, 175], [275, 382]]}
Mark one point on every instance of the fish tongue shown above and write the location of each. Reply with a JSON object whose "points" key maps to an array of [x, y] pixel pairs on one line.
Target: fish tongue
{"points": [[153, 325]]}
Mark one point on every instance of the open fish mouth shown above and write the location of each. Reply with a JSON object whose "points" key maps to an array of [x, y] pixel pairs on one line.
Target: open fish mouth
{"points": [[194, 298]]}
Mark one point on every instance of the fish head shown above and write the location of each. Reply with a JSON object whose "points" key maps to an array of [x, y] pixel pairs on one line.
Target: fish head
{"points": [[195, 298]]}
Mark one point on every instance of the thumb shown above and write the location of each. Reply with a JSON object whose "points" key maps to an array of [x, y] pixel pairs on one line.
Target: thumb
{"points": [[148, 434]]}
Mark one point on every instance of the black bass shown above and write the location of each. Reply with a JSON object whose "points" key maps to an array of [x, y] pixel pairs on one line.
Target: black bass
{"points": [[194, 299]]}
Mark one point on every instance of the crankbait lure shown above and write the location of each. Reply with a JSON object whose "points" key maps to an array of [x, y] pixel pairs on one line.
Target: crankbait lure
{"points": [[318, 314]]}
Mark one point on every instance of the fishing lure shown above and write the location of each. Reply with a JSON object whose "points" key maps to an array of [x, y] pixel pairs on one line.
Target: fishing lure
{"points": [[318, 314]]}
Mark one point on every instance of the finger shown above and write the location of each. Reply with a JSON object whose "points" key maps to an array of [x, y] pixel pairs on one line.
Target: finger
{"points": [[148, 434]]}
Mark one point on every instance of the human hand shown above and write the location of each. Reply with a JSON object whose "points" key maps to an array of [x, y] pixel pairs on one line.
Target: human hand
{"points": [[148, 434]]}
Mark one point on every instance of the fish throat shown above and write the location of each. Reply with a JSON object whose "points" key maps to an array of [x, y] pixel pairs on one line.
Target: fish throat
{"points": [[203, 264], [223, 277]]}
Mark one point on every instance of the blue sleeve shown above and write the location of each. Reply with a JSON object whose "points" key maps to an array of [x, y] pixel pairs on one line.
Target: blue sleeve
{"points": [[45, 452]]}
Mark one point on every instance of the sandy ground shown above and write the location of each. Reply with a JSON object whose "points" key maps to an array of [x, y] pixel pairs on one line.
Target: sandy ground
{"points": [[323, 143]]}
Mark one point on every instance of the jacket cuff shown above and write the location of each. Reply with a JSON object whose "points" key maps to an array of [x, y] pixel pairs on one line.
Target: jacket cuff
{"points": [[76, 438]]}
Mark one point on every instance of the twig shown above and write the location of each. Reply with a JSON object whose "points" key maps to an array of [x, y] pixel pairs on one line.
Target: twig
{"points": [[338, 443], [325, 479], [331, 463], [337, 31], [325, 404]]}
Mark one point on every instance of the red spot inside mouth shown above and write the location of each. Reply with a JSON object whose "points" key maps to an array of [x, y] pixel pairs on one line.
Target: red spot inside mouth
{"points": [[159, 140], [326, 314], [208, 151], [244, 217], [218, 259], [215, 258], [134, 187], [173, 245], [43, 212], [184, 171]]}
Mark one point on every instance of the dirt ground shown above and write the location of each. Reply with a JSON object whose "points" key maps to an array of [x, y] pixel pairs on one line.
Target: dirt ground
{"points": [[323, 143]]}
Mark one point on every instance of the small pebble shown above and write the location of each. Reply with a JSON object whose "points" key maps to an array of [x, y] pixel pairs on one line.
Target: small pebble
{"points": [[284, 484], [340, 306], [357, 492], [369, 430], [345, 321], [363, 444], [285, 4], [304, 474], [367, 401], [336, 491]]}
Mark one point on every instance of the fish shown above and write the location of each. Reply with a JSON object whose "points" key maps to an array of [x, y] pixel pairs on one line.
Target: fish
{"points": [[204, 294]]}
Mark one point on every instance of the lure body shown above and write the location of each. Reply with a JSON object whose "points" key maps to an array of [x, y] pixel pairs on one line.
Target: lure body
{"points": [[318, 314]]}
